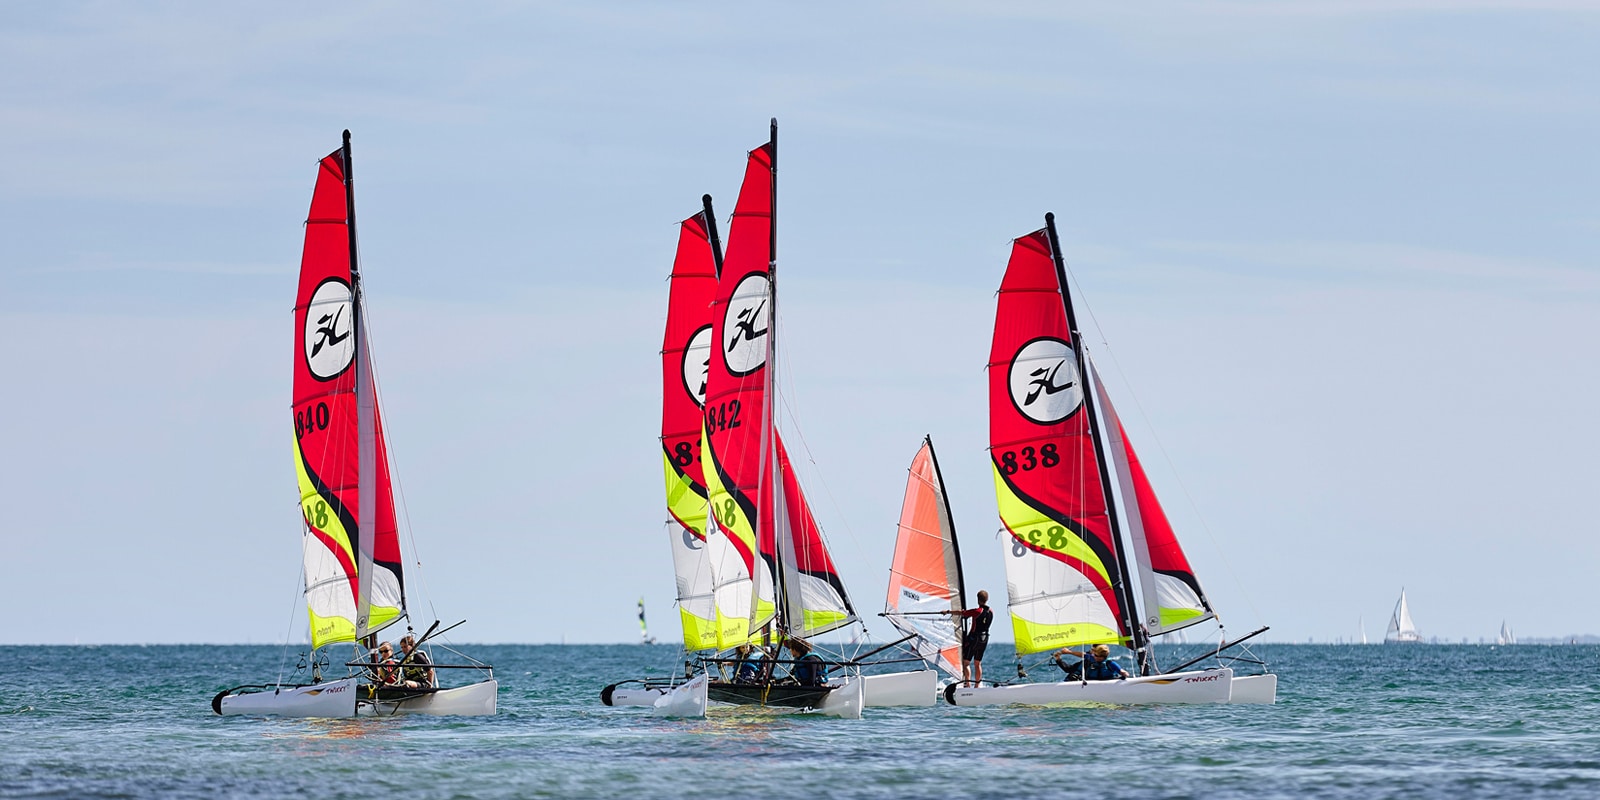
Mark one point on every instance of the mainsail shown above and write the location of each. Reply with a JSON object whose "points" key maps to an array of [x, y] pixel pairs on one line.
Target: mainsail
{"points": [[685, 356], [1401, 629], [925, 576], [1506, 636], [757, 515], [1066, 573], [352, 548]]}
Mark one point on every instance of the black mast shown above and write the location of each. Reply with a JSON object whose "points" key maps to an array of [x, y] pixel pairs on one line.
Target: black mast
{"points": [[350, 216], [711, 233], [955, 549], [944, 499], [781, 589], [1125, 587]]}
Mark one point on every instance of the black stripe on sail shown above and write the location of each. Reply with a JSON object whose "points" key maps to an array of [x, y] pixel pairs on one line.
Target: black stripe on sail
{"points": [[348, 522], [1078, 529], [694, 485]]}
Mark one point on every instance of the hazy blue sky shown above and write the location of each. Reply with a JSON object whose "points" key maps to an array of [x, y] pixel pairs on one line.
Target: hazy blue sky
{"points": [[1339, 261]]}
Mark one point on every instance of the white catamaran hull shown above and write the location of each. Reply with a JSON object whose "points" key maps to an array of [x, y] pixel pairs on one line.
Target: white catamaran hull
{"points": [[343, 698], [477, 700], [1261, 689], [331, 699], [691, 700], [919, 688], [1203, 686], [639, 695]]}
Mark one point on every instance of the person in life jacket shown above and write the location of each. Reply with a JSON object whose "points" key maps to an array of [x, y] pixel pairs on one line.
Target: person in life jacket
{"points": [[1095, 665], [383, 671], [416, 669], [976, 639], [809, 670], [751, 664]]}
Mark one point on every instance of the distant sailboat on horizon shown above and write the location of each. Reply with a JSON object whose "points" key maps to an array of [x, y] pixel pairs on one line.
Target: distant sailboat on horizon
{"points": [[1401, 629], [1506, 636], [644, 630]]}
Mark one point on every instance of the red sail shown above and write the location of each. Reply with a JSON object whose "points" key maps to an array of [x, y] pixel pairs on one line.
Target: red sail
{"points": [[324, 410], [1047, 477], [1173, 607], [810, 553], [739, 473], [685, 363]]}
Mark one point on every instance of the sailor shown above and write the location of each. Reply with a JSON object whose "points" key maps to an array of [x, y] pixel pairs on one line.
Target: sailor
{"points": [[416, 669], [749, 663], [383, 673], [976, 640], [809, 669], [1096, 665]]}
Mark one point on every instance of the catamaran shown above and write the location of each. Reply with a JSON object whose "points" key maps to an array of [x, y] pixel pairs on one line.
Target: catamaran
{"points": [[753, 569], [354, 586], [1401, 629], [1090, 556]]}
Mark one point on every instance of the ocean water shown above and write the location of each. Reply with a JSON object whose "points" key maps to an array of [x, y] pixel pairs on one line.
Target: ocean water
{"points": [[1425, 721]]}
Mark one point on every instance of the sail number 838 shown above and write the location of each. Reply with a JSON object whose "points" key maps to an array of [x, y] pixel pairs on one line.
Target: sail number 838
{"points": [[1027, 459], [1053, 537]]}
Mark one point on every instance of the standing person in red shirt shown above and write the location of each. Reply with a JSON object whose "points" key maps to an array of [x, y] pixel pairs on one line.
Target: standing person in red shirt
{"points": [[976, 640]]}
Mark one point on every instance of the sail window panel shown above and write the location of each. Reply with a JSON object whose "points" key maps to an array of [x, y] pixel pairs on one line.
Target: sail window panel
{"points": [[329, 599]]}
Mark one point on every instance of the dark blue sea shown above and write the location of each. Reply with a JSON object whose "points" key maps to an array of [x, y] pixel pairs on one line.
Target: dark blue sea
{"points": [[1425, 721]]}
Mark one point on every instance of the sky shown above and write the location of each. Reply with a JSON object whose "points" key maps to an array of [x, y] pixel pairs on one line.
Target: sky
{"points": [[1338, 262]]}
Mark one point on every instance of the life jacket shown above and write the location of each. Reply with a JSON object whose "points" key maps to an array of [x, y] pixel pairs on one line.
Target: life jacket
{"points": [[1096, 670], [811, 671], [417, 668], [385, 670]]}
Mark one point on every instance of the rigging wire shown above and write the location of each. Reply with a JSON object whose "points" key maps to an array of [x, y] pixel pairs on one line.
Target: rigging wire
{"points": [[294, 607], [865, 639], [1081, 299], [396, 487]]}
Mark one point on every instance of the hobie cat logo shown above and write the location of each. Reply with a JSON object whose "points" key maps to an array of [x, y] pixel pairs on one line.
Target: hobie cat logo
{"points": [[745, 325], [696, 364], [330, 321], [1044, 381]]}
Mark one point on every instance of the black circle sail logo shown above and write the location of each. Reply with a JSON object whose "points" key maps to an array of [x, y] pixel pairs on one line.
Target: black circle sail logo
{"points": [[1044, 381], [697, 364], [746, 323], [330, 320]]}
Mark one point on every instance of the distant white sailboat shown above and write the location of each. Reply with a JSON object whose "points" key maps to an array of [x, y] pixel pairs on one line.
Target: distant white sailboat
{"points": [[1361, 622], [1506, 636], [1401, 629]]}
